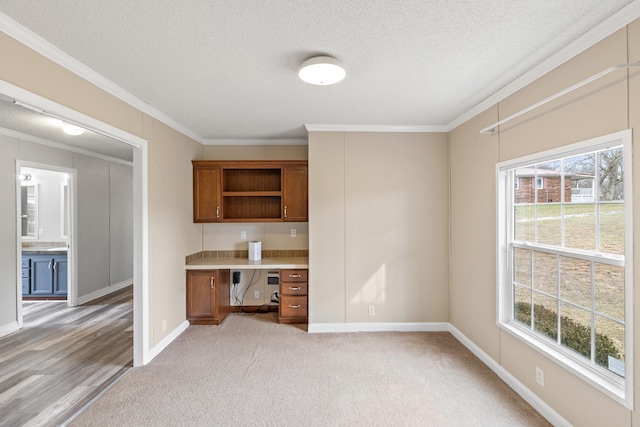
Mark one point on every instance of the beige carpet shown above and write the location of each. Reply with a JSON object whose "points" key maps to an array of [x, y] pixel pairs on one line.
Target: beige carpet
{"points": [[252, 371]]}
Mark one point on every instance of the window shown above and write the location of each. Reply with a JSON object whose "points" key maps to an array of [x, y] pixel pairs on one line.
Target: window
{"points": [[517, 183], [565, 263]]}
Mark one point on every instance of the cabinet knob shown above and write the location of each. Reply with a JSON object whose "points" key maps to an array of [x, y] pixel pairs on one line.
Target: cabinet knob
{"points": [[212, 282], [218, 212], [50, 266], [294, 306], [285, 211]]}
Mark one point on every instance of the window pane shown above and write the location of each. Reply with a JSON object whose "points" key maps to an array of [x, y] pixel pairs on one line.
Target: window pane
{"points": [[522, 266], [526, 190], [545, 273], [610, 344], [549, 182], [580, 226], [548, 224], [575, 281], [609, 290], [580, 177], [525, 224], [575, 329], [545, 314], [610, 175], [612, 228], [522, 305]]}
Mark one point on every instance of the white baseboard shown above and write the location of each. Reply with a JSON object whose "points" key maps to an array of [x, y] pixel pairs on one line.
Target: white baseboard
{"points": [[9, 328], [104, 291], [379, 327], [164, 343], [530, 397]]}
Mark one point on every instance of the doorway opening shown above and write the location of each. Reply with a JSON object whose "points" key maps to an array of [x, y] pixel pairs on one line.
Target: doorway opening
{"points": [[45, 211], [118, 138]]}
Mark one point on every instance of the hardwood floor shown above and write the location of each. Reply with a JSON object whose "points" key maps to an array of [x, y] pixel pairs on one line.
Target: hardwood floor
{"points": [[63, 358]]}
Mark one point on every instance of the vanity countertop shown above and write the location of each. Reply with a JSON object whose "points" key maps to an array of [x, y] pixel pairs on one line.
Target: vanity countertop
{"points": [[245, 264], [35, 250]]}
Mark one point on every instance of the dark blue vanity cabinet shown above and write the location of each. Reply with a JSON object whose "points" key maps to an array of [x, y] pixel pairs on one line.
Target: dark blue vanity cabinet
{"points": [[44, 275]]}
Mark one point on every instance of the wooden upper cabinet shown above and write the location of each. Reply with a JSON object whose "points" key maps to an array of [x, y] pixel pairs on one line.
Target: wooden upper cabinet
{"points": [[249, 191], [295, 194], [206, 194]]}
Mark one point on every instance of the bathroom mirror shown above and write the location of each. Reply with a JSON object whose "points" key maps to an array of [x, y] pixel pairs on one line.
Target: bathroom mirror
{"points": [[29, 216]]}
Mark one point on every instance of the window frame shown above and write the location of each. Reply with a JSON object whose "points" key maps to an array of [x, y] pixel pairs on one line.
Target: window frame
{"points": [[620, 389]]}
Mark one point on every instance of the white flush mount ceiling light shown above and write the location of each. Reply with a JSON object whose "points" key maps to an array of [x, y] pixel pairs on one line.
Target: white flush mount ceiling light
{"points": [[67, 128], [72, 130], [321, 70]]}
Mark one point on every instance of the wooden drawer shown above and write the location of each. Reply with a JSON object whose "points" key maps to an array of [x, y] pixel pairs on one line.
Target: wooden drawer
{"points": [[293, 275], [293, 288], [293, 306]]}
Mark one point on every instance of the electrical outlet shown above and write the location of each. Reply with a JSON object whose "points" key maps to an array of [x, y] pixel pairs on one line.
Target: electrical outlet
{"points": [[243, 235], [372, 310], [540, 376], [293, 232], [256, 294], [164, 325]]}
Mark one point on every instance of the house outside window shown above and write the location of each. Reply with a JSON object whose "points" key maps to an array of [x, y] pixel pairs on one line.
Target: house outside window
{"points": [[565, 263]]}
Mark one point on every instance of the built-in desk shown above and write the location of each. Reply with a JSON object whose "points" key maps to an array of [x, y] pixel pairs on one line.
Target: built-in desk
{"points": [[208, 287], [245, 264]]}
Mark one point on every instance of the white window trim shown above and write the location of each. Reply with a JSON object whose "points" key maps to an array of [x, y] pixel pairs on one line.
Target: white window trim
{"points": [[621, 390]]}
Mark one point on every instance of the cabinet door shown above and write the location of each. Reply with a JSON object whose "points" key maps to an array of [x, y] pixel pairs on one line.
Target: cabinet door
{"points": [[60, 275], [201, 300], [206, 194], [295, 194], [223, 297], [26, 275], [42, 275]]}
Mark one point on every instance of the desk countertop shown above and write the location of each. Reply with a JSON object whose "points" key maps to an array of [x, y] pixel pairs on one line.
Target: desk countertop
{"points": [[245, 264]]}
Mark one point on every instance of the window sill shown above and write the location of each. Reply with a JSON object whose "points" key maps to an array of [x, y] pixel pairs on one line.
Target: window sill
{"points": [[610, 385]]}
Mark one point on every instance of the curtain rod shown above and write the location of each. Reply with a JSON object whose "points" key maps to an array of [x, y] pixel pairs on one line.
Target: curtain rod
{"points": [[490, 129]]}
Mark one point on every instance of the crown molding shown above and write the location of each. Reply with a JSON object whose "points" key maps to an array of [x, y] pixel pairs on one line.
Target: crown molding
{"points": [[247, 141], [59, 145], [28, 38], [375, 128], [615, 22]]}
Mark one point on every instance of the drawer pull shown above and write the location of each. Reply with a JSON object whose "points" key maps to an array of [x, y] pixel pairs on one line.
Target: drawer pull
{"points": [[213, 282], [294, 276], [297, 288], [294, 306]]}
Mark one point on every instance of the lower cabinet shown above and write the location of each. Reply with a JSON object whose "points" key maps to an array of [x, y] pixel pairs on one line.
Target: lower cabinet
{"points": [[293, 296], [44, 275], [208, 301]]}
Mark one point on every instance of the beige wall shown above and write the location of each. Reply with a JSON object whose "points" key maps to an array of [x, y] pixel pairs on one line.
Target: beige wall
{"points": [[602, 107], [378, 212], [172, 234]]}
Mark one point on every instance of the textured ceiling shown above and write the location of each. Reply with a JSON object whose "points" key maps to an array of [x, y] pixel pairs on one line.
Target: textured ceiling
{"points": [[228, 69]]}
